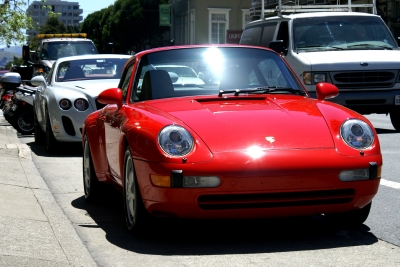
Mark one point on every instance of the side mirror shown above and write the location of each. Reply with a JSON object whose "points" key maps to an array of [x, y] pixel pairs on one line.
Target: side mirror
{"points": [[278, 47], [111, 96], [25, 53], [39, 81], [326, 90], [34, 56]]}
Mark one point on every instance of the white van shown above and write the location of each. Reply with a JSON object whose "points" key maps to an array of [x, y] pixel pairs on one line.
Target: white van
{"points": [[353, 50]]}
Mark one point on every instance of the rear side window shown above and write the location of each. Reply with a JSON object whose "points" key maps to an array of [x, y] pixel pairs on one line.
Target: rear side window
{"points": [[259, 35], [250, 36]]}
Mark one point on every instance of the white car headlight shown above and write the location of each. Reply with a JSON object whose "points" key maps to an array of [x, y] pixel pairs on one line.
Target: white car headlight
{"points": [[65, 104], [357, 134], [81, 104], [175, 140]]}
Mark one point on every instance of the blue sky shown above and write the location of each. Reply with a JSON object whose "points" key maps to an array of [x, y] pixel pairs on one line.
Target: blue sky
{"points": [[90, 6]]}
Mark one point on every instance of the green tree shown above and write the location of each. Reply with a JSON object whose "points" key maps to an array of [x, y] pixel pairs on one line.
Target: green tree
{"points": [[13, 22], [17, 61], [131, 25]]}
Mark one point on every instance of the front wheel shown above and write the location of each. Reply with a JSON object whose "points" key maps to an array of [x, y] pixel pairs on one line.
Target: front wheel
{"points": [[90, 182], [395, 118], [136, 215], [352, 218]]}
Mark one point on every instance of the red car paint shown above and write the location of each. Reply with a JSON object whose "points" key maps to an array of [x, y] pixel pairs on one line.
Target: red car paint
{"points": [[293, 170]]}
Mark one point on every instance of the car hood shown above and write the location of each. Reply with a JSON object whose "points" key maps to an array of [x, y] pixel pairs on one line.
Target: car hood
{"points": [[252, 123], [351, 59], [91, 88]]}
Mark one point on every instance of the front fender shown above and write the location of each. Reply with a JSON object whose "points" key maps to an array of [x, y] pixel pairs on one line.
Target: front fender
{"points": [[335, 115]]}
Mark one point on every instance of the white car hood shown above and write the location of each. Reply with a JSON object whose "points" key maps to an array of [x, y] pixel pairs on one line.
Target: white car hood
{"points": [[351, 60], [91, 88]]}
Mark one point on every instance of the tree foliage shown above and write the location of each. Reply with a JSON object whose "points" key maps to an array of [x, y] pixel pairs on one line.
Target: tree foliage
{"points": [[131, 25], [13, 22]]}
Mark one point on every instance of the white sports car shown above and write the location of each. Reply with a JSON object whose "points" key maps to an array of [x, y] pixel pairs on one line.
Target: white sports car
{"points": [[69, 93]]}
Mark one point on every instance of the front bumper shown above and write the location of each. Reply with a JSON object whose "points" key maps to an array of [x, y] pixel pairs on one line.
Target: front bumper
{"points": [[294, 183]]}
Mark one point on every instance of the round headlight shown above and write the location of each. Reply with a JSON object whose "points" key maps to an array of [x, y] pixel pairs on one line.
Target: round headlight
{"points": [[357, 134], [175, 140], [81, 104], [65, 104]]}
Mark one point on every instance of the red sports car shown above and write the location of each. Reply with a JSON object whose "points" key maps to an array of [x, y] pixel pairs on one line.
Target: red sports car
{"points": [[243, 139]]}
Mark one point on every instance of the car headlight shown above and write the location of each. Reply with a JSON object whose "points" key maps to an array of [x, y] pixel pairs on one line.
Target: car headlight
{"points": [[175, 140], [81, 104], [65, 104], [314, 78], [357, 134]]}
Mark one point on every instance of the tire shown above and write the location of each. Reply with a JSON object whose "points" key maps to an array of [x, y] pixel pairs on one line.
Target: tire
{"points": [[352, 218], [23, 121], [91, 184], [51, 142], [395, 118], [39, 134], [136, 215]]}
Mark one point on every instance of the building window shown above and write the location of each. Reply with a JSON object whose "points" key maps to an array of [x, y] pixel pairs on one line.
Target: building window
{"points": [[246, 17], [218, 25]]}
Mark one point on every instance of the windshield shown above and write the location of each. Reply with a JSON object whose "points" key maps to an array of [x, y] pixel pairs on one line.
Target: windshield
{"points": [[213, 69], [341, 32], [56, 50], [90, 69]]}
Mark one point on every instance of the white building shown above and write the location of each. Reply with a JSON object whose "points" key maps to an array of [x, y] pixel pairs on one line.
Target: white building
{"points": [[70, 13]]}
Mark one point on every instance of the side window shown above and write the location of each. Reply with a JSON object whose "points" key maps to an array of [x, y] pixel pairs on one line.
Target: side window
{"points": [[268, 33], [250, 36], [125, 81]]}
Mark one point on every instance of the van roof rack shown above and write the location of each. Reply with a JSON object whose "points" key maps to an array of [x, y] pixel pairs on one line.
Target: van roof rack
{"points": [[290, 7]]}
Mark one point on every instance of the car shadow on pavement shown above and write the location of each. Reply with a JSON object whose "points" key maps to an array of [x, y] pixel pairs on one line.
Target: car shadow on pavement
{"points": [[62, 150], [217, 237]]}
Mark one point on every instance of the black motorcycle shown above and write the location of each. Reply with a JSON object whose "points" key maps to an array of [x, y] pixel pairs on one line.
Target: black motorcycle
{"points": [[16, 102]]}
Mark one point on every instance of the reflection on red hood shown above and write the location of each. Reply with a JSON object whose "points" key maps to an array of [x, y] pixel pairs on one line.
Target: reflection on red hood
{"points": [[238, 123]]}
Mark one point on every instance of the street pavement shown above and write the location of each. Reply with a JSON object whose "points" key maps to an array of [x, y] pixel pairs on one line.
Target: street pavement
{"points": [[34, 231]]}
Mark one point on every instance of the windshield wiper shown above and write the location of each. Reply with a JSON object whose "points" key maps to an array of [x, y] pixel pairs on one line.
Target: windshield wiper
{"points": [[263, 90], [370, 46]]}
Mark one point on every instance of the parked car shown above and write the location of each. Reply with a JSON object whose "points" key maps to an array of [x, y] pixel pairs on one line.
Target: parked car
{"points": [[252, 145], [69, 93]]}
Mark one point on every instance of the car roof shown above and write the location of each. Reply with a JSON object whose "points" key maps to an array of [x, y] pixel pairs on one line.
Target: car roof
{"points": [[66, 39], [93, 56], [176, 47], [312, 14]]}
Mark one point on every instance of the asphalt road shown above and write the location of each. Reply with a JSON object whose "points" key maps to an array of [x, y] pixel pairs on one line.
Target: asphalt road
{"points": [[278, 242]]}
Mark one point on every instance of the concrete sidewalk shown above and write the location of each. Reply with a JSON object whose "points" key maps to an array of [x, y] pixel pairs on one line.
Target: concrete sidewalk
{"points": [[34, 231]]}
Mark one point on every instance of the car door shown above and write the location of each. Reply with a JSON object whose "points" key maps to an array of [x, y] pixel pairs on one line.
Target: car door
{"points": [[112, 118]]}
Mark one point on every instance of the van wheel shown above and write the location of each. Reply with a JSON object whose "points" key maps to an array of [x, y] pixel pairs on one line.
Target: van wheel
{"points": [[395, 118]]}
